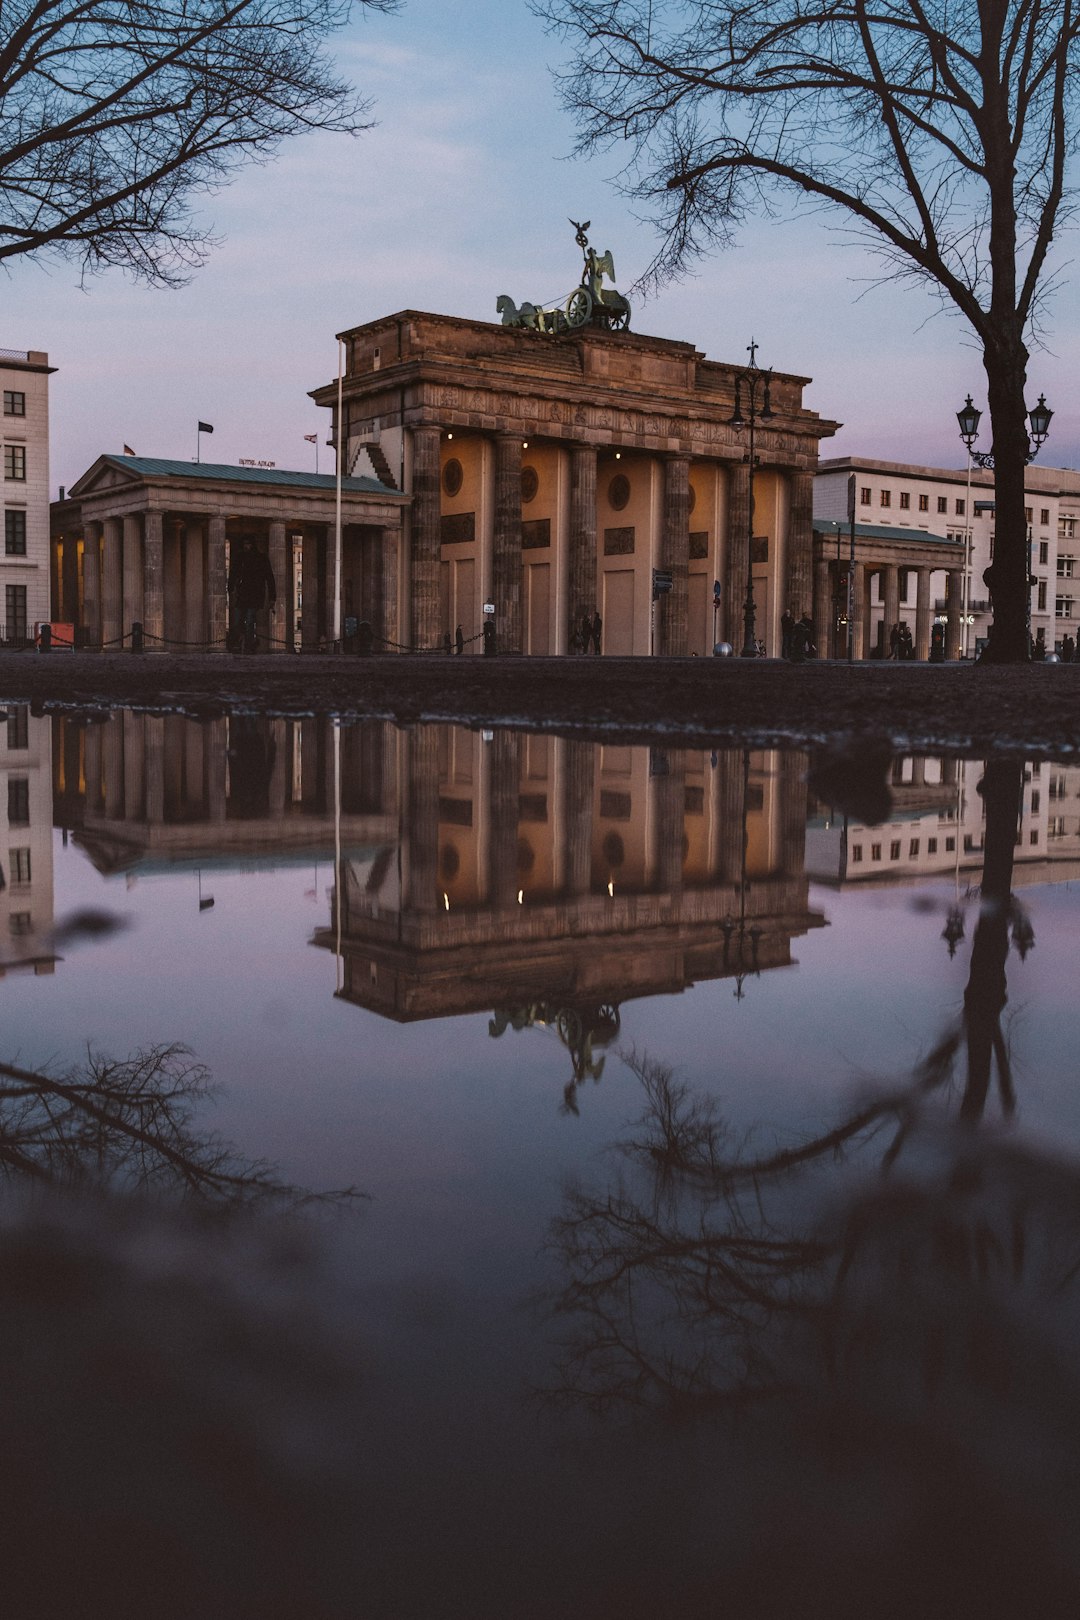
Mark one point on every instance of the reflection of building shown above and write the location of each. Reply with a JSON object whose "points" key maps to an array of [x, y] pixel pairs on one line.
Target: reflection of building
{"points": [[552, 880], [916, 510], [938, 823], [149, 541], [552, 476], [24, 492], [26, 859]]}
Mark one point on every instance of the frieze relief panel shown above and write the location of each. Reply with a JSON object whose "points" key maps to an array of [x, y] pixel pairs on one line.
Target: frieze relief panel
{"points": [[619, 542], [457, 528]]}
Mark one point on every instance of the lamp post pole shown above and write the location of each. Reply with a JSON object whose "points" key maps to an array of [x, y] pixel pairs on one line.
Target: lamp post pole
{"points": [[751, 378]]}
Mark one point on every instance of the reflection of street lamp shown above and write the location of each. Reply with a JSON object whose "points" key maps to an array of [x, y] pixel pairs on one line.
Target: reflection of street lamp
{"points": [[205, 901], [752, 378]]}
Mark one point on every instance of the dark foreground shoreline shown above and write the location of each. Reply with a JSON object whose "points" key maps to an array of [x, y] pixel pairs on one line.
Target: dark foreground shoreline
{"points": [[1032, 710]]}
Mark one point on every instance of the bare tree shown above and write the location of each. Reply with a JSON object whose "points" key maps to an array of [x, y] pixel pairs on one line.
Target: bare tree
{"points": [[115, 117], [942, 133]]}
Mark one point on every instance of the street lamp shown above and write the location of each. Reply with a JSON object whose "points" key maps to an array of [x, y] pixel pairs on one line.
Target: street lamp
{"points": [[752, 378]]}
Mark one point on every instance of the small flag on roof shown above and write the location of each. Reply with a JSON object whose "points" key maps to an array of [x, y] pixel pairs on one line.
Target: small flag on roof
{"points": [[311, 438], [204, 427], [128, 451]]}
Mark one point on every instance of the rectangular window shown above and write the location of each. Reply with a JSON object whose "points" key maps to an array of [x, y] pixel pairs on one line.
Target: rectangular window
{"points": [[856, 853], [886, 497], [20, 865], [875, 852], [18, 801], [1044, 553], [1065, 567], [14, 402], [1044, 517], [20, 922], [15, 612], [18, 727], [1033, 836], [15, 462], [864, 495], [894, 850], [969, 843], [1055, 827], [924, 503], [1035, 801], [913, 849], [1063, 607], [960, 508], [905, 500], [14, 533], [943, 503], [1042, 595], [931, 846], [950, 844]]}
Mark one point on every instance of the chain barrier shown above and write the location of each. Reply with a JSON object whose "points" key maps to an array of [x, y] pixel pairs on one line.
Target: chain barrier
{"points": [[55, 644]]}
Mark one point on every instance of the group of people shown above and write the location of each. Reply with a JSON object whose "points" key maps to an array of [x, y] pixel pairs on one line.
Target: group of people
{"points": [[901, 646], [585, 633], [797, 637]]}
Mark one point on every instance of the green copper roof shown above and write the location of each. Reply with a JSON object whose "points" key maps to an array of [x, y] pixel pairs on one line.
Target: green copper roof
{"points": [[154, 467], [881, 531]]}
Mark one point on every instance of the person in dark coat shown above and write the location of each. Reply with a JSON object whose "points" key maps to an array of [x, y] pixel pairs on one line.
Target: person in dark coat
{"points": [[459, 641], [597, 628], [251, 588]]}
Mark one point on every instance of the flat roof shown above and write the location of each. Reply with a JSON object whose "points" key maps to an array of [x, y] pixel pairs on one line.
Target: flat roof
{"points": [[881, 531], [155, 467]]}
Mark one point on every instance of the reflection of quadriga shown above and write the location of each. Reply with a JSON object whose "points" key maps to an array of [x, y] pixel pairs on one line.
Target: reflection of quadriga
{"points": [[581, 1029], [590, 302]]}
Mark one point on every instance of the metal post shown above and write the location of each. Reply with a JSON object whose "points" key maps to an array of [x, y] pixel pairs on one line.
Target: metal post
{"points": [[965, 593], [340, 437], [749, 646]]}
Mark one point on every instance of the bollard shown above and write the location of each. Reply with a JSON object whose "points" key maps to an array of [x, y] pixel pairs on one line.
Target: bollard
{"points": [[45, 638], [137, 636]]}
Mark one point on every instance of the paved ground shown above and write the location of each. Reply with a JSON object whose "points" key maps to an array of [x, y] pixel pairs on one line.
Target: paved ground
{"points": [[1033, 709]]}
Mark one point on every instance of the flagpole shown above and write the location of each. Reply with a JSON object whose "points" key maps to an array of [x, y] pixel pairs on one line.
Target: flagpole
{"points": [[198, 444], [340, 447]]}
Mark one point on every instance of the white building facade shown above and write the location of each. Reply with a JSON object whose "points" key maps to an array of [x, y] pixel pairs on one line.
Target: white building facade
{"points": [[959, 505], [24, 493]]}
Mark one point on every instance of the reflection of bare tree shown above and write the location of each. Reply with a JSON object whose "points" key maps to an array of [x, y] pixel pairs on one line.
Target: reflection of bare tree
{"points": [[127, 1125]]}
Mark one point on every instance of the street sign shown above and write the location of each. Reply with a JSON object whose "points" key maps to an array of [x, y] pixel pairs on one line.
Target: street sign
{"points": [[662, 582]]}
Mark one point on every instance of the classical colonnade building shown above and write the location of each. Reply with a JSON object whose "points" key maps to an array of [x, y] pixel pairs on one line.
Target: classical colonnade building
{"points": [[893, 583]]}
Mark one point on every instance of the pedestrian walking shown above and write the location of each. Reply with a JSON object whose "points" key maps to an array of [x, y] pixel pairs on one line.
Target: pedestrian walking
{"points": [[459, 641], [251, 588], [596, 630]]}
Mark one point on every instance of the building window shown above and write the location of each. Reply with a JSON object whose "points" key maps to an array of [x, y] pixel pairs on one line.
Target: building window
{"points": [[15, 462], [943, 503], [1063, 607], [924, 503], [931, 846], [18, 727], [913, 849], [20, 922], [875, 852], [1042, 596], [886, 497], [1033, 836], [20, 865], [1055, 827], [905, 500], [1035, 801], [856, 853], [14, 533], [1066, 528], [950, 844], [1044, 553], [959, 508], [15, 612], [18, 801], [864, 495], [1044, 517], [14, 402], [1065, 567], [894, 850]]}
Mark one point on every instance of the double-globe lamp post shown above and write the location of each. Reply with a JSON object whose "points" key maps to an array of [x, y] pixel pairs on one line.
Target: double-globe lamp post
{"points": [[749, 383]]}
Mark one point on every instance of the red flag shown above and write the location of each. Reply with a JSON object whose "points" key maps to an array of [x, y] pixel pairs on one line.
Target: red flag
{"points": [[128, 451]]}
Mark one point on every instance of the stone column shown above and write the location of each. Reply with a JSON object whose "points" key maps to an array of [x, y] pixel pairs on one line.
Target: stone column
{"points": [[736, 552], [134, 765], [311, 610], [154, 579], [426, 549], [952, 624], [672, 630], [858, 612], [504, 777], [824, 615], [133, 572], [91, 606], [69, 581], [581, 555], [217, 585], [922, 614], [279, 564], [194, 577], [506, 556], [890, 575], [578, 773], [111, 580], [389, 562], [800, 543], [868, 612]]}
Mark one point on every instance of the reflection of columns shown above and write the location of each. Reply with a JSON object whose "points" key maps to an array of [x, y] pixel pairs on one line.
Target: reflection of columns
{"points": [[134, 765], [952, 625], [858, 612], [504, 776], [154, 577], [890, 579], [217, 588], [800, 543], [92, 767], [280, 568], [731, 806], [155, 769], [217, 756], [111, 580], [194, 741], [426, 552], [736, 552], [673, 610], [506, 556], [279, 769], [792, 813], [133, 572], [422, 818], [578, 769], [823, 607], [194, 584], [112, 743], [582, 582], [918, 770], [91, 615], [922, 613], [670, 805]]}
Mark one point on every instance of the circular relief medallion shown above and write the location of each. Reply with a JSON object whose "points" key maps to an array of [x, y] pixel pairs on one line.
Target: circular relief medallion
{"points": [[452, 477], [618, 493], [530, 483]]}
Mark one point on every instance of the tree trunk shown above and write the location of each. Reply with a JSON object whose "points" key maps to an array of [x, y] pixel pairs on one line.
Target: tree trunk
{"points": [[1007, 578]]}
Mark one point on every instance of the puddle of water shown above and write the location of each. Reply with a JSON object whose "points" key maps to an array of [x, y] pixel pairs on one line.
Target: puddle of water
{"points": [[713, 1154]]}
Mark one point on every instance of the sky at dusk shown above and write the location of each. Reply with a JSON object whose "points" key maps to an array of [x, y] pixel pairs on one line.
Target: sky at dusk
{"points": [[463, 192]]}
